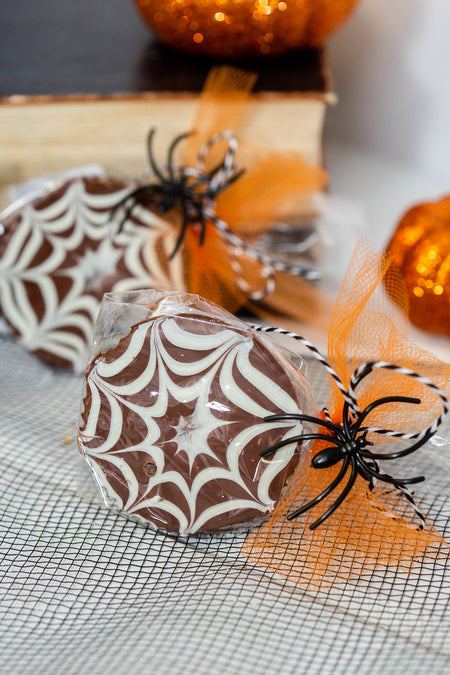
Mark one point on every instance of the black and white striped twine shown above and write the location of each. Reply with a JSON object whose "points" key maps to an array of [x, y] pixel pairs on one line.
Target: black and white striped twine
{"points": [[349, 396], [212, 184]]}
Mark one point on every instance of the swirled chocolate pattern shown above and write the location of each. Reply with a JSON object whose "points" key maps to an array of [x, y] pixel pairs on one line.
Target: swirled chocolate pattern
{"points": [[173, 424], [61, 252]]}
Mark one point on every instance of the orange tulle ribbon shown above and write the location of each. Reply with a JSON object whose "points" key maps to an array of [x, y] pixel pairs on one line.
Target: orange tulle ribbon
{"points": [[371, 528], [272, 185]]}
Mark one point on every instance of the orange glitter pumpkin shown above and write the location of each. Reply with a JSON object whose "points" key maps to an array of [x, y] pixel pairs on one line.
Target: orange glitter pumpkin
{"points": [[235, 29], [420, 248]]}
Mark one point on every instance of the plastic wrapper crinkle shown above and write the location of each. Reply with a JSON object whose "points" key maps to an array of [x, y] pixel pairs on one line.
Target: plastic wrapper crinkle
{"points": [[173, 414]]}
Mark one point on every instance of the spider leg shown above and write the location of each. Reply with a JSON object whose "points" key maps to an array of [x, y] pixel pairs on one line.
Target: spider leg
{"points": [[171, 152], [298, 439], [232, 179], [126, 216], [205, 179], [363, 374], [201, 218], [181, 234], [136, 194], [124, 200], [402, 453], [135, 197], [209, 175], [399, 485], [363, 466], [382, 401], [118, 206], [151, 156], [211, 193], [385, 477], [340, 499], [323, 494], [371, 479], [335, 428], [112, 215]]}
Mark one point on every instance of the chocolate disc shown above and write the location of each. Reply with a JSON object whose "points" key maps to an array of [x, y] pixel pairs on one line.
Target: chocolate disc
{"points": [[60, 252], [173, 424]]}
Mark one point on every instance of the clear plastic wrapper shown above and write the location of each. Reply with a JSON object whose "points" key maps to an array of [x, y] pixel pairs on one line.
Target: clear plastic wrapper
{"points": [[173, 418], [60, 251]]}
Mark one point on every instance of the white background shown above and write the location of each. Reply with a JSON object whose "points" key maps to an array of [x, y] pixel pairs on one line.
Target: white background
{"points": [[391, 64], [387, 142]]}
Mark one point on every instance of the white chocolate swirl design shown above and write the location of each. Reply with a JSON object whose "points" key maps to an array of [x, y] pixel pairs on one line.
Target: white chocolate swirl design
{"points": [[173, 424], [60, 254]]}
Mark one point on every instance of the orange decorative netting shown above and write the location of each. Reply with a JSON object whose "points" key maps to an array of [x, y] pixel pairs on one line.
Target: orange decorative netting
{"points": [[272, 186], [371, 528]]}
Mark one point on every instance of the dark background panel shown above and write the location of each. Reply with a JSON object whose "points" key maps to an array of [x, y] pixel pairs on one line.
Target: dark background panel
{"points": [[102, 46]]}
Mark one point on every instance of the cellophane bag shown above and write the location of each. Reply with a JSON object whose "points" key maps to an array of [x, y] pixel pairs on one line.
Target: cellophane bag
{"points": [[174, 413]]}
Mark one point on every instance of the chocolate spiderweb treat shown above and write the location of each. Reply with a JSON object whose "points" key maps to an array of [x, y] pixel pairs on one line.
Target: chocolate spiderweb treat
{"points": [[173, 423], [60, 252]]}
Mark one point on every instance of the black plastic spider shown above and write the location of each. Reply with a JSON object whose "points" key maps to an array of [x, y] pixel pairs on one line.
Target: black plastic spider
{"points": [[350, 446], [178, 188]]}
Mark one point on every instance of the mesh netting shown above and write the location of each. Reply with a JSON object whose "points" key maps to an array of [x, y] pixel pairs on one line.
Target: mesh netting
{"points": [[83, 590], [373, 526]]}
